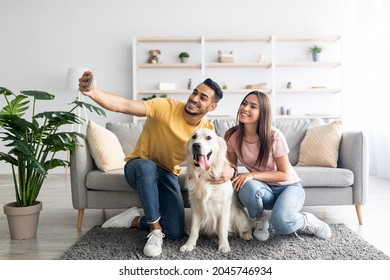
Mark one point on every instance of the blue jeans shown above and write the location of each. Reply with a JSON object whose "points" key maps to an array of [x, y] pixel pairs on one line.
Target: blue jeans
{"points": [[284, 201], [160, 196]]}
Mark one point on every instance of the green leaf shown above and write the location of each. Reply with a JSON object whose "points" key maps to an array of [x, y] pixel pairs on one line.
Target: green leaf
{"points": [[37, 167], [16, 132], [21, 149], [39, 95], [5, 91], [17, 106], [90, 107], [59, 118], [62, 141], [15, 125], [53, 163], [8, 158]]}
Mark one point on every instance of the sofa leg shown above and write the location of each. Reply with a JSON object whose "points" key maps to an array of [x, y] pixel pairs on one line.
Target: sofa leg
{"points": [[104, 215], [359, 213], [80, 218]]}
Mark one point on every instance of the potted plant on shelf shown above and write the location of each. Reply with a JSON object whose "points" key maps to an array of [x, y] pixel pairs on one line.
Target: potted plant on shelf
{"points": [[33, 143], [315, 51], [184, 57]]}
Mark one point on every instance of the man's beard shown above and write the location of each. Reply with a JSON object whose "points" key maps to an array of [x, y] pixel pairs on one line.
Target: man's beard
{"points": [[192, 113]]}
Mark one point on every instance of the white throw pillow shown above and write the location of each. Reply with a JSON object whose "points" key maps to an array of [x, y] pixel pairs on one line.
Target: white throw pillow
{"points": [[104, 147]]}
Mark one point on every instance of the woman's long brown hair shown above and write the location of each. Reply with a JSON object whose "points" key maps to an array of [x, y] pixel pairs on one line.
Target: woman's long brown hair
{"points": [[263, 130]]}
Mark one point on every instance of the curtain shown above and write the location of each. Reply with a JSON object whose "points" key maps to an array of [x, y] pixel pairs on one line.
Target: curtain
{"points": [[366, 78]]}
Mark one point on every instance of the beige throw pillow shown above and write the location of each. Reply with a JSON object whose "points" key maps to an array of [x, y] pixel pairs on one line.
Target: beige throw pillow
{"points": [[320, 147], [104, 147]]}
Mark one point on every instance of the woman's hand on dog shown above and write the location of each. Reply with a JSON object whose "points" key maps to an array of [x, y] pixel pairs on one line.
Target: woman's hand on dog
{"points": [[240, 180], [226, 175]]}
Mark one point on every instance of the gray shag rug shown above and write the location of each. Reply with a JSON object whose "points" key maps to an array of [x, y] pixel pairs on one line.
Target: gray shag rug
{"points": [[125, 244]]}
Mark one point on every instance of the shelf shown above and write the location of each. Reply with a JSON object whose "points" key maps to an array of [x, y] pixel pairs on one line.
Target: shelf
{"points": [[198, 65], [209, 117], [194, 39], [227, 65], [169, 65], [187, 91], [309, 64], [307, 116], [331, 39], [246, 90], [286, 57], [160, 91], [278, 117], [308, 90], [266, 39], [220, 117]]}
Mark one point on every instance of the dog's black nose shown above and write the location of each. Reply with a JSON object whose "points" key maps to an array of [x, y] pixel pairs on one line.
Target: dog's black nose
{"points": [[196, 147]]}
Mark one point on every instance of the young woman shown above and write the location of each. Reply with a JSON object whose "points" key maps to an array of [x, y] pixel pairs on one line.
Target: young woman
{"points": [[271, 182]]}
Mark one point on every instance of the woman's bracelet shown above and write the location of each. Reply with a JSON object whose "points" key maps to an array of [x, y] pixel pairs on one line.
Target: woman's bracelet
{"points": [[235, 173]]}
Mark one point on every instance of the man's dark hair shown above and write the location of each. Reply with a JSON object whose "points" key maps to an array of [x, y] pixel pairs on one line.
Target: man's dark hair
{"points": [[217, 89]]}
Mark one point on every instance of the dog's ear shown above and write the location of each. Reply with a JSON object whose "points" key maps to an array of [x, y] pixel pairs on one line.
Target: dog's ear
{"points": [[222, 147], [187, 146]]}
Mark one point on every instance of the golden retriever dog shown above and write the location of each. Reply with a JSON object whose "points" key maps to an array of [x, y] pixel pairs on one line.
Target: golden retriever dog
{"points": [[215, 207]]}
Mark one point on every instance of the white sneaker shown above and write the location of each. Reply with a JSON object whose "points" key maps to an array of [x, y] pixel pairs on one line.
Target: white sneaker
{"points": [[123, 219], [261, 232], [317, 227], [154, 243]]}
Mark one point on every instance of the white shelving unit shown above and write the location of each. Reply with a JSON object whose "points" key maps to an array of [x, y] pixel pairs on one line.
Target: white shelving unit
{"points": [[286, 60], [316, 86]]}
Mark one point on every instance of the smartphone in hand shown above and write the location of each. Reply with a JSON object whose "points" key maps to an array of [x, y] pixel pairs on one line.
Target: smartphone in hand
{"points": [[89, 86]]}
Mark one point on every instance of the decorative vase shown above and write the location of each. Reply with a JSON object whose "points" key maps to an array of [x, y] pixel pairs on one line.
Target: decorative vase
{"points": [[22, 221], [183, 59]]}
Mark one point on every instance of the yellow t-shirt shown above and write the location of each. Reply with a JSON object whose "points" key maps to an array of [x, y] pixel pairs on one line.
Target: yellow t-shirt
{"points": [[165, 134]]}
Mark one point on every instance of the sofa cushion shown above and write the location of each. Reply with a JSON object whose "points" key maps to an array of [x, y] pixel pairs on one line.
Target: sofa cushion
{"points": [[312, 176], [221, 126], [127, 133], [105, 148], [113, 180], [320, 147], [317, 176], [294, 131]]}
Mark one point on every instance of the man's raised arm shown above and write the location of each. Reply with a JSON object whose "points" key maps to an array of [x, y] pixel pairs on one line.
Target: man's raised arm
{"points": [[110, 101]]}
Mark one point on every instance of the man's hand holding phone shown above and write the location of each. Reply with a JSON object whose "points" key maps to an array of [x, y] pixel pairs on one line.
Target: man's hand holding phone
{"points": [[86, 82]]}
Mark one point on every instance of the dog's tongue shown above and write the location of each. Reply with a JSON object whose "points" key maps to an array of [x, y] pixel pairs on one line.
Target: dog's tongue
{"points": [[203, 162]]}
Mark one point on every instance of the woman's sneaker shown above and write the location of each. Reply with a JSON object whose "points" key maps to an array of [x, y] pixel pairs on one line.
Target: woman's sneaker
{"points": [[154, 243], [317, 227], [261, 224]]}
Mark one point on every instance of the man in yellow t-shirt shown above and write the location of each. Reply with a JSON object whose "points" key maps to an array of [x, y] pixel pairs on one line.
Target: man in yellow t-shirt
{"points": [[153, 166]]}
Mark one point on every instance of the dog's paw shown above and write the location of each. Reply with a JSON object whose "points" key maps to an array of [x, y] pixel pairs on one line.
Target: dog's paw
{"points": [[187, 248], [246, 235], [224, 248]]}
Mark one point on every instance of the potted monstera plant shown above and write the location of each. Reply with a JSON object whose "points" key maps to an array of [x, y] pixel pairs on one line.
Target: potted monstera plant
{"points": [[34, 139]]}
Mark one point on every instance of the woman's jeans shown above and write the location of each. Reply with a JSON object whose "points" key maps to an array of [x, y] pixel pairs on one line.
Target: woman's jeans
{"points": [[285, 202], [160, 196]]}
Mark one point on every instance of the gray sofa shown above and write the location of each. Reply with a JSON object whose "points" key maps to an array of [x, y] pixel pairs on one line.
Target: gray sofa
{"points": [[345, 185]]}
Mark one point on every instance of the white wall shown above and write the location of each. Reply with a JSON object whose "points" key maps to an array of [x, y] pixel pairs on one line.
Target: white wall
{"points": [[41, 39]]}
